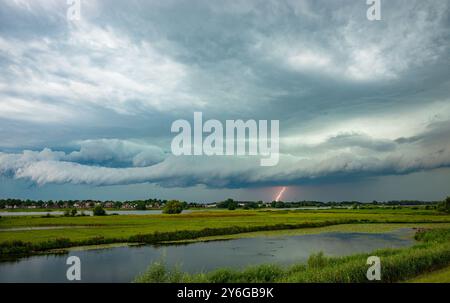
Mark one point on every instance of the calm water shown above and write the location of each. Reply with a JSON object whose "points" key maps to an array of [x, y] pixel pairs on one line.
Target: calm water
{"points": [[122, 264]]}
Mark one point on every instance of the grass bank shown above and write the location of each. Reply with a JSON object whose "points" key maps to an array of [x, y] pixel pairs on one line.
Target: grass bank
{"points": [[438, 276], [432, 253]]}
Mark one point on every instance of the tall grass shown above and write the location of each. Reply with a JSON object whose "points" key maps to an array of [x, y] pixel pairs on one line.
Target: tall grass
{"points": [[159, 272], [396, 265]]}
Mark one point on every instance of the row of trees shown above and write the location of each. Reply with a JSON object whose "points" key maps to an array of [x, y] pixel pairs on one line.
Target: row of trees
{"points": [[231, 204], [171, 207], [133, 204], [227, 204]]}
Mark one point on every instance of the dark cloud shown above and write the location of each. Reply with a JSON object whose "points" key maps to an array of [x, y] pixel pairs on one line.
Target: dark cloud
{"points": [[93, 101]]}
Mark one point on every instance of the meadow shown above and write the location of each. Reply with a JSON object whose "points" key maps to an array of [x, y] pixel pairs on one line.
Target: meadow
{"points": [[35, 234]]}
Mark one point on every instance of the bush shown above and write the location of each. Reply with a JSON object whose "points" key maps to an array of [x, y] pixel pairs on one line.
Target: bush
{"points": [[230, 204], [158, 272], [99, 211], [173, 207], [141, 205], [445, 205], [317, 260]]}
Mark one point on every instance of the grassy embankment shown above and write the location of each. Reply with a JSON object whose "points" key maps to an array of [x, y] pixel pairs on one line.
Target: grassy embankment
{"points": [[438, 276], [79, 231], [432, 253]]}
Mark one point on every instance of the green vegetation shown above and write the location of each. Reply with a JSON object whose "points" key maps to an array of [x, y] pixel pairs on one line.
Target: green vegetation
{"points": [[18, 205], [98, 211], [91, 230], [343, 228], [229, 204], [444, 206], [173, 207], [69, 212], [433, 252], [438, 276], [160, 272], [141, 205], [18, 248]]}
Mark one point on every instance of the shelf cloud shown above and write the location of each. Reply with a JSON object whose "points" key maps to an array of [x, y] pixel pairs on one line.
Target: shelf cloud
{"points": [[91, 102]]}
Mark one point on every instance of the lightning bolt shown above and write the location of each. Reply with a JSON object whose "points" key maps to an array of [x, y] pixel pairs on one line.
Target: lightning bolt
{"points": [[280, 194]]}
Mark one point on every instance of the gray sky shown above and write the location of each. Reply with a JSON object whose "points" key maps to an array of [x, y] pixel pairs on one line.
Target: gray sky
{"points": [[86, 106]]}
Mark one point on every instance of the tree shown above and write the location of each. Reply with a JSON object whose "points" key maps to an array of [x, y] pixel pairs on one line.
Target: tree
{"points": [[73, 212], [252, 205], [98, 210], [230, 204], [173, 207], [280, 204], [141, 205], [445, 205]]}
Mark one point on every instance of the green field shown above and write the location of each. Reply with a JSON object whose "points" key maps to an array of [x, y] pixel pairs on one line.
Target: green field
{"points": [[197, 225], [438, 276], [129, 225]]}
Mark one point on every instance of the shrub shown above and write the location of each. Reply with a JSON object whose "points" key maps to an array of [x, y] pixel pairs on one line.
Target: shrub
{"points": [[445, 205], [99, 211], [317, 260], [158, 272], [230, 204], [173, 207], [141, 205]]}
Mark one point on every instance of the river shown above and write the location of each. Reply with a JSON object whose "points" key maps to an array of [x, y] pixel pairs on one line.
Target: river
{"points": [[123, 264]]}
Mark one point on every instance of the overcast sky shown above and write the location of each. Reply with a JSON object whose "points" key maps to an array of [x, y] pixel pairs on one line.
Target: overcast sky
{"points": [[86, 106]]}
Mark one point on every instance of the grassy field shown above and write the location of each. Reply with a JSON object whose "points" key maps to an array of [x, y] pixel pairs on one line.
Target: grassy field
{"points": [[397, 265], [205, 224], [438, 276]]}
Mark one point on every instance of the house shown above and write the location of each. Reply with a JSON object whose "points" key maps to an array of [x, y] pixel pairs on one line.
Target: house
{"points": [[109, 205], [128, 206]]}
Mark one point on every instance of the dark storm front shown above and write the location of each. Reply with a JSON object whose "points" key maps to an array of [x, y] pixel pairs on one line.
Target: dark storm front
{"points": [[123, 264]]}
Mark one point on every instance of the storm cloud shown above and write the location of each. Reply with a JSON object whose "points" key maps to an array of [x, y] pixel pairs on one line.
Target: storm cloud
{"points": [[92, 101]]}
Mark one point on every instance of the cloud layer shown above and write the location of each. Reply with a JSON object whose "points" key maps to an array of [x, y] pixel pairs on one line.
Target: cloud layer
{"points": [[91, 102], [342, 156]]}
